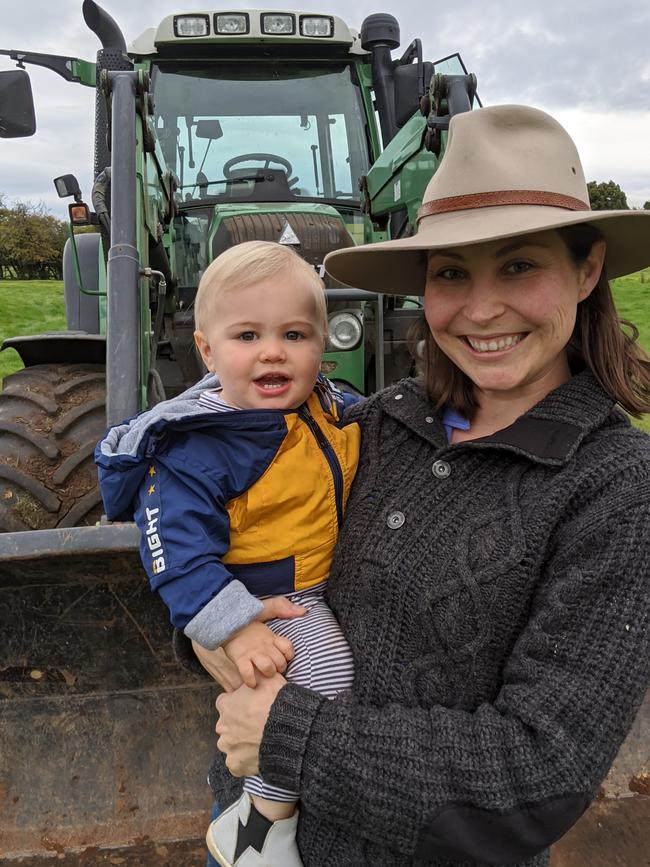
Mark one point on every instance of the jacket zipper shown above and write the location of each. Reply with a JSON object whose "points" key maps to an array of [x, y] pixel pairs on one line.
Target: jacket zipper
{"points": [[330, 457]]}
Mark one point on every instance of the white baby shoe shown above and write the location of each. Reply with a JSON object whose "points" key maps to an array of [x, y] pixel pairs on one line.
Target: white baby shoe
{"points": [[242, 837]]}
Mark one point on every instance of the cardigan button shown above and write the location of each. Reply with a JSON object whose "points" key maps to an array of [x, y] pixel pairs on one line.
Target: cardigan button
{"points": [[429, 419], [395, 520], [441, 469], [399, 396]]}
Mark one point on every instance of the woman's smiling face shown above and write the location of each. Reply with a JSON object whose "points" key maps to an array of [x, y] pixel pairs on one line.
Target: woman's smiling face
{"points": [[504, 311]]}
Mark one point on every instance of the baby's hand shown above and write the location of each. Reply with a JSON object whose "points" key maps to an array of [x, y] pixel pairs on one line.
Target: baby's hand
{"points": [[281, 608], [257, 647]]}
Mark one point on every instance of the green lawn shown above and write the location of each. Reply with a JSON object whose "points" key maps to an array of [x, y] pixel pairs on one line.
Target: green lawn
{"points": [[29, 307], [632, 297]]}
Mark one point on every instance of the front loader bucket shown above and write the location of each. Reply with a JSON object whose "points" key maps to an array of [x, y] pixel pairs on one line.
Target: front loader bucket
{"points": [[105, 740]]}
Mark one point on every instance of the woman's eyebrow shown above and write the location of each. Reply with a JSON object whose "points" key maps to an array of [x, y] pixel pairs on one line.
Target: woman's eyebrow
{"points": [[447, 253], [517, 245]]}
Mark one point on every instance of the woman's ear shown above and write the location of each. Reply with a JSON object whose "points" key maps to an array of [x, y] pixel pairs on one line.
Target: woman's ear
{"points": [[591, 269], [204, 348]]}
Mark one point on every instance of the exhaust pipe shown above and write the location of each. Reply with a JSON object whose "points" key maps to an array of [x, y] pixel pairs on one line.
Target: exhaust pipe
{"points": [[379, 35], [103, 26], [112, 56]]}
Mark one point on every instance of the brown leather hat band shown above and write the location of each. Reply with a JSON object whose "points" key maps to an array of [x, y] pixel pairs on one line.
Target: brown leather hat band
{"points": [[501, 197]]}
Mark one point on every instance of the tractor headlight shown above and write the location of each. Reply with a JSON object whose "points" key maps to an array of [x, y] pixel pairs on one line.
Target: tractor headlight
{"points": [[191, 25], [316, 25], [278, 25], [345, 331], [231, 23]]}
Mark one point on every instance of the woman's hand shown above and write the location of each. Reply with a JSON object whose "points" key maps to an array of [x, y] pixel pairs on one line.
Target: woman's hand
{"points": [[242, 717], [219, 667], [280, 607]]}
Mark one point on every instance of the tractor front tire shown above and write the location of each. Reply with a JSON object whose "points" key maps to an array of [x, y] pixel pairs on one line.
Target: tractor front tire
{"points": [[51, 417]]}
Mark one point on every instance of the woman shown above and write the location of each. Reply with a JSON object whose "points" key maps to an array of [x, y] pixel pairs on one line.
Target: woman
{"points": [[491, 575]]}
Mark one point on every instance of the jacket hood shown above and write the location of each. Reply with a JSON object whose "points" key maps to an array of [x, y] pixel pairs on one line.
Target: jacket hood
{"points": [[120, 454], [129, 437]]}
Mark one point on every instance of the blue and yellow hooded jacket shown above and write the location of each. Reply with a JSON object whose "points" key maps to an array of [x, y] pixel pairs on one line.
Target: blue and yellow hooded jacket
{"points": [[231, 505]]}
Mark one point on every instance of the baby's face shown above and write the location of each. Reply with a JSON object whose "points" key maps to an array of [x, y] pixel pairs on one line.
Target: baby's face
{"points": [[265, 343]]}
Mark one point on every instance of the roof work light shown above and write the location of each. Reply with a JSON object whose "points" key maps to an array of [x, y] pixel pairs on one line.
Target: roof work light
{"points": [[278, 25], [231, 22], [191, 25], [316, 25]]}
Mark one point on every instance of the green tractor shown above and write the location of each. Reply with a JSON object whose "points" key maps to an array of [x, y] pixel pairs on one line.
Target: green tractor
{"points": [[211, 129]]}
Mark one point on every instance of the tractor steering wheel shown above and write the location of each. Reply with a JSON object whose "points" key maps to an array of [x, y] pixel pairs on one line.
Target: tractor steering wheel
{"points": [[230, 173]]}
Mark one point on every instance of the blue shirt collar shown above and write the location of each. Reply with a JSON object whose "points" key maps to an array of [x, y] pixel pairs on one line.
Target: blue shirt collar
{"points": [[451, 419]]}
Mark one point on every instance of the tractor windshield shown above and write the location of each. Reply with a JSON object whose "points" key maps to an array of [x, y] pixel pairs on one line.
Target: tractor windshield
{"points": [[262, 131]]}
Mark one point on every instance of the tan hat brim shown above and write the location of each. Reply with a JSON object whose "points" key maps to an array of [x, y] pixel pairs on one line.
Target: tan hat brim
{"points": [[399, 267]]}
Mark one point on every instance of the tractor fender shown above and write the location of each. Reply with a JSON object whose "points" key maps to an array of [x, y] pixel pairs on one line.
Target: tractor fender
{"points": [[59, 347], [82, 311]]}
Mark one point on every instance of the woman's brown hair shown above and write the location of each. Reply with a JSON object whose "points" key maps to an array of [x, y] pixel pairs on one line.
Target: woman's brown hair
{"points": [[605, 343]]}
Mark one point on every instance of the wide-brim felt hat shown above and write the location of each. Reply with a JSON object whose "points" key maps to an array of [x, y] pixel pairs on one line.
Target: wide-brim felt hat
{"points": [[507, 170]]}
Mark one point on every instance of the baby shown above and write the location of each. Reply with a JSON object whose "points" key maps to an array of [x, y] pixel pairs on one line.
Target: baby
{"points": [[239, 487]]}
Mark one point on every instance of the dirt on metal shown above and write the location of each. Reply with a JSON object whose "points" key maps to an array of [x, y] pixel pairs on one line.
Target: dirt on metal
{"points": [[614, 832], [145, 853]]}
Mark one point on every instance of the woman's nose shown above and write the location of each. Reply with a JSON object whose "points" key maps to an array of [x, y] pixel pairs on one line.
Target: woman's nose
{"points": [[484, 301]]}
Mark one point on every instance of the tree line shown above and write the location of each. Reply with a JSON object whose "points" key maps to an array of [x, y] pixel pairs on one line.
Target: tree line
{"points": [[32, 240], [608, 196]]}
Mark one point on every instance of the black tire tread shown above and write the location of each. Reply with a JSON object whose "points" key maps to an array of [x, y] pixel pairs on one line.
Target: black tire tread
{"points": [[50, 420]]}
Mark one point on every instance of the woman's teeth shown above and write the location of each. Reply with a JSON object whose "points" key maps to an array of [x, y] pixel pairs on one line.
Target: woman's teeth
{"points": [[494, 344]]}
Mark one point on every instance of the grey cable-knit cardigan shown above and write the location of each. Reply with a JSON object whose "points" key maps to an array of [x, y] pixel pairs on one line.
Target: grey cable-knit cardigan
{"points": [[496, 597]]}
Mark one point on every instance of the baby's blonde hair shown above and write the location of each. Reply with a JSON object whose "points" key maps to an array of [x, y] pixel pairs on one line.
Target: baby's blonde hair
{"points": [[252, 262]]}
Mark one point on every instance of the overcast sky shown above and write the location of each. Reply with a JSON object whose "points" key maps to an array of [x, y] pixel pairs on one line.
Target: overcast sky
{"points": [[585, 61]]}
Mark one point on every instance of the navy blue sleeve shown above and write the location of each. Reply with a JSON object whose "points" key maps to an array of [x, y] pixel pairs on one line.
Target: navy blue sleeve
{"points": [[185, 534]]}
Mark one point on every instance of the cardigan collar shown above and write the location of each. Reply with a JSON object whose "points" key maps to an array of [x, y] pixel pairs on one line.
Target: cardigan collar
{"points": [[550, 432]]}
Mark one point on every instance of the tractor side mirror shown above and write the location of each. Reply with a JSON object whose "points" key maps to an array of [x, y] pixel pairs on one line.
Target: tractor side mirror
{"points": [[17, 119], [408, 87], [67, 185]]}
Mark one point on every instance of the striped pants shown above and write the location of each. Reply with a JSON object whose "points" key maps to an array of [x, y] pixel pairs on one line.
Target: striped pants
{"points": [[323, 662]]}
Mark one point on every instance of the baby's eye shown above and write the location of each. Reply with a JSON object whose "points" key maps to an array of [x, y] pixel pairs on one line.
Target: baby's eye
{"points": [[247, 336], [294, 335]]}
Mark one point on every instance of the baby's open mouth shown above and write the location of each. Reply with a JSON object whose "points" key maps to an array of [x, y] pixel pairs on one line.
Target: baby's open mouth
{"points": [[271, 381]]}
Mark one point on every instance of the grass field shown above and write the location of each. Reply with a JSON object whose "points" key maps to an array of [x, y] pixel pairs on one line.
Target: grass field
{"points": [[30, 307]]}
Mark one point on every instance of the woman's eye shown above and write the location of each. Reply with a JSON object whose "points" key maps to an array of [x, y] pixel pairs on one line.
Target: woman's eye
{"points": [[449, 274], [247, 336], [518, 267], [294, 335]]}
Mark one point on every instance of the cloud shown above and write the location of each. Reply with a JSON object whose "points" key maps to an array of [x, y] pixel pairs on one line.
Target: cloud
{"points": [[583, 60]]}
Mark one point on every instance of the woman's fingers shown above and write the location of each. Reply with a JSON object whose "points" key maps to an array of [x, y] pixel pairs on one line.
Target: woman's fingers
{"points": [[219, 666], [282, 608], [242, 717]]}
